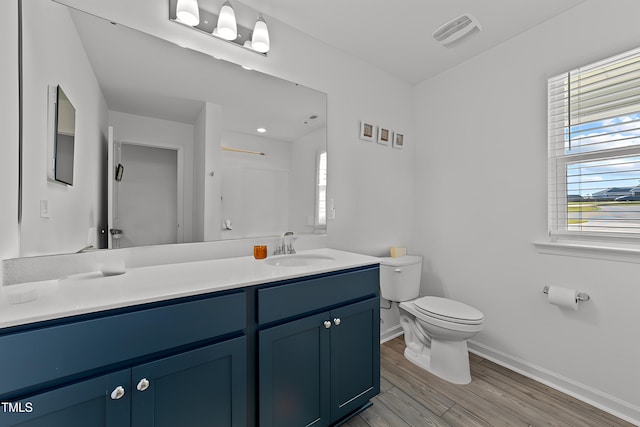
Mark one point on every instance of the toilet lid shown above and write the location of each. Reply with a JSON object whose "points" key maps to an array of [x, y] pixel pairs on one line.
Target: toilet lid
{"points": [[449, 310]]}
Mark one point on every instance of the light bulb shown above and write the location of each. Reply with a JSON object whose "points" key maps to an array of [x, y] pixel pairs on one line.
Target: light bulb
{"points": [[227, 28], [260, 37], [187, 12]]}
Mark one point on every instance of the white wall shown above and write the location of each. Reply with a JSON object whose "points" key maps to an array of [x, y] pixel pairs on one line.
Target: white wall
{"points": [[143, 130], [207, 174], [199, 174], [481, 201], [9, 243], [46, 64], [212, 164]]}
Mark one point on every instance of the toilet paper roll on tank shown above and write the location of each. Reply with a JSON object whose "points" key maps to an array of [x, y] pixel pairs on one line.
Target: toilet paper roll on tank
{"points": [[397, 252]]}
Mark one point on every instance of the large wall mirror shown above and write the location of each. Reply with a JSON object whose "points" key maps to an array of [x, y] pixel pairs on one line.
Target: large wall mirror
{"points": [[167, 146]]}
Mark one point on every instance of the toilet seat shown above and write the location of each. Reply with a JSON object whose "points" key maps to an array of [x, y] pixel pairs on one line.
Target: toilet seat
{"points": [[448, 310]]}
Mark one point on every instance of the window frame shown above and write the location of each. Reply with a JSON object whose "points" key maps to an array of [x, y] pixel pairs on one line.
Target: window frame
{"points": [[559, 160]]}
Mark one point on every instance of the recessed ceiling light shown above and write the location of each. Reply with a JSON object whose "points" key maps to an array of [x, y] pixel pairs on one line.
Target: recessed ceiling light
{"points": [[261, 130]]}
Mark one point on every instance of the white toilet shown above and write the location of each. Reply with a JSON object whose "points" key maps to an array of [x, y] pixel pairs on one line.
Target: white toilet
{"points": [[436, 329]]}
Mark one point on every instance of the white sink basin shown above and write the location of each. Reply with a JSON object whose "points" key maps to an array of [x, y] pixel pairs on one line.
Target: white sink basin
{"points": [[298, 260]]}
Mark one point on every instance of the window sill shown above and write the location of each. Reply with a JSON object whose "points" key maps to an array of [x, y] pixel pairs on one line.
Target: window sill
{"points": [[594, 250]]}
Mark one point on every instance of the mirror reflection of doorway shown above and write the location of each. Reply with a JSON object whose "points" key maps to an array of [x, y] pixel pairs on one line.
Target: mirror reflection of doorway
{"points": [[147, 206]]}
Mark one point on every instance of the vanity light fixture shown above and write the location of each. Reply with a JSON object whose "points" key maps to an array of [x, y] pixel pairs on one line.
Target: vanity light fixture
{"points": [[260, 38], [222, 25], [187, 11], [227, 27]]}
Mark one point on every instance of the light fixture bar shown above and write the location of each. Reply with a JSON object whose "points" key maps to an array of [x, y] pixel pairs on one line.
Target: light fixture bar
{"points": [[209, 21]]}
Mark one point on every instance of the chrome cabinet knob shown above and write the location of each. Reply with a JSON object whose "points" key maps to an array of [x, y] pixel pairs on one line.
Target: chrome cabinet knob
{"points": [[327, 324], [336, 321], [143, 384], [117, 393]]}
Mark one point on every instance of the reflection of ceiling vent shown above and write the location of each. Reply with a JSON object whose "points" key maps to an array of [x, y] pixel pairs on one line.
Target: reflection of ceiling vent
{"points": [[457, 30]]}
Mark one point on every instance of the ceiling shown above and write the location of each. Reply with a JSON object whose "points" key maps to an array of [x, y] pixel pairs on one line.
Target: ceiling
{"points": [[396, 36]]}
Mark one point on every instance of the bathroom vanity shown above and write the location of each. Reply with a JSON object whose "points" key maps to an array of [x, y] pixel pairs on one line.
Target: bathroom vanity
{"points": [[278, 345]]}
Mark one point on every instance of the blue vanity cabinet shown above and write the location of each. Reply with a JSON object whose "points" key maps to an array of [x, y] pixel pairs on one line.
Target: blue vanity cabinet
{"points": [[294, 374], [201, 387], [82, 404], [297, 352], [355, 356], [317, 367], [181, 362], [207, 386]]}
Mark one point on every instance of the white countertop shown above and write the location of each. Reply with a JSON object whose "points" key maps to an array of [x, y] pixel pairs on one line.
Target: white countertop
{"points": [[92, 292]]}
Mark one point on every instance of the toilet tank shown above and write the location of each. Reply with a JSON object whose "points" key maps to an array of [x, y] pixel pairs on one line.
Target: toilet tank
{"points": [[400, 277]]}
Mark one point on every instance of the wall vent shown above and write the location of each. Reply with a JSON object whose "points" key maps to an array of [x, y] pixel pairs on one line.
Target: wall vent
{"points": [[457, 30]]}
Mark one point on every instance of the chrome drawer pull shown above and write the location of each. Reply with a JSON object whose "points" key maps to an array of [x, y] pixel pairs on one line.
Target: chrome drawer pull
{"points": [[117, 393], [143, 384]]}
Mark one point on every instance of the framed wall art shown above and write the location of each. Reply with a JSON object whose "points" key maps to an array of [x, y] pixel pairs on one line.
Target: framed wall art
{"points": [[367, 131], [384, 136], [398, 140]]}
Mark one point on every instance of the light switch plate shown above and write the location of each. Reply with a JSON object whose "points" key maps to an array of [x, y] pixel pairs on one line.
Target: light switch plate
{"points": [[44, 209]]}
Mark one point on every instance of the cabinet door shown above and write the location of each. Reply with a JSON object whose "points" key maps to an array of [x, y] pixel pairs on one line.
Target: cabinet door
{"points": [[293, 373], [355, 356], [203, 387], [86, 403]]}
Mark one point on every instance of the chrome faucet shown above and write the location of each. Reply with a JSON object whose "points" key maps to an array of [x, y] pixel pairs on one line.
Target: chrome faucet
{"points": [[286, 244]]}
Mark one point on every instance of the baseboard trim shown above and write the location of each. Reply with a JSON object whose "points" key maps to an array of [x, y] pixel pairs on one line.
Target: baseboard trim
{"points": [[603, 401], [390, 334]]}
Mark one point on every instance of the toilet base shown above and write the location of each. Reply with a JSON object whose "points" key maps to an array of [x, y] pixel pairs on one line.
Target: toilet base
{"points": [[448, 360]]}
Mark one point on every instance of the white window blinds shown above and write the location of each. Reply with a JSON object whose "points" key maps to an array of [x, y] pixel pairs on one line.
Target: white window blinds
{"points": [[594, 149], [321, 190]]}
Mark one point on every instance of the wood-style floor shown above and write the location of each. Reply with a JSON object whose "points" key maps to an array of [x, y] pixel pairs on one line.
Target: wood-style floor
{"points": [[410, 396]]}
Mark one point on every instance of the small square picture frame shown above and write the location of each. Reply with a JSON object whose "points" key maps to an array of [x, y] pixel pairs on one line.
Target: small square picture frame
{"points": [[384, 136], [398, 140], [367, 131]]}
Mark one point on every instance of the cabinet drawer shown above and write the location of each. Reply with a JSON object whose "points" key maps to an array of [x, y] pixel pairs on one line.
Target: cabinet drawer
{"points": [[280, 302], [50, 353]]}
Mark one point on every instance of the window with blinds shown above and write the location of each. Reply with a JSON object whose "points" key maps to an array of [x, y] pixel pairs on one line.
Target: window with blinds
{"points": [[321, 190], [594, 149]]}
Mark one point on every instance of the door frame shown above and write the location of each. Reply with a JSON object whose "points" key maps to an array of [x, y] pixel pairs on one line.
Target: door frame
{"points": [[180, 181]]}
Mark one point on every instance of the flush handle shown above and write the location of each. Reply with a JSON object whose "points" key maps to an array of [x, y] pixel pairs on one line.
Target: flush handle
{"points": [[327, 324], [143, 384], [117, 393]]}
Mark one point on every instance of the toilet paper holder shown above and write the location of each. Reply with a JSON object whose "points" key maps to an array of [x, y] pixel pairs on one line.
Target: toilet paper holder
{"points": [[580, 297]]}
